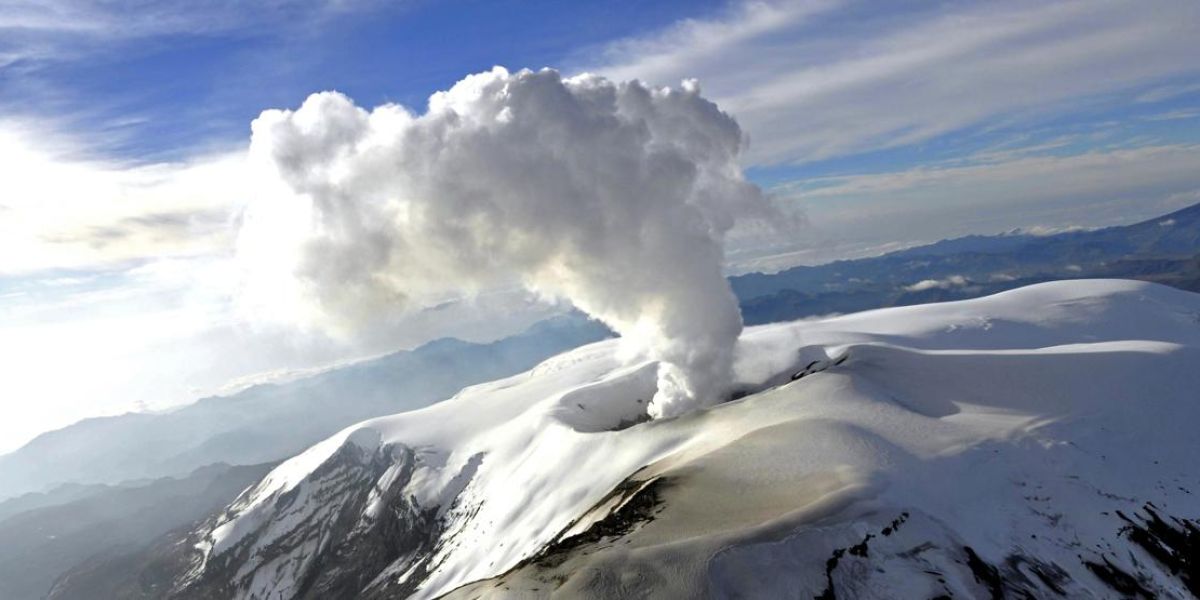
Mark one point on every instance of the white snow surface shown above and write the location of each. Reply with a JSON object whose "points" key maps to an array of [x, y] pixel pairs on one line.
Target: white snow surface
{"points": [[1051, 369]]}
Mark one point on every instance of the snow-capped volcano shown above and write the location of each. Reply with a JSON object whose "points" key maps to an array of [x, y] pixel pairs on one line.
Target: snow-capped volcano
{"points": [[1040, 440]]}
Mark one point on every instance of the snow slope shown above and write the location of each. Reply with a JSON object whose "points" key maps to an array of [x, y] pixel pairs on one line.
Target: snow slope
{"points": [[270, 422], [1019, 441]]}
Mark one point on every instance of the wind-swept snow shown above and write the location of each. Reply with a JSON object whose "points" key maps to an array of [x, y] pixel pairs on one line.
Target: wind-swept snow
{"points": [[1015, 425]]}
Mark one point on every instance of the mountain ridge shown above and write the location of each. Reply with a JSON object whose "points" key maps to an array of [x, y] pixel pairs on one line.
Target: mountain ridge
{"points": [[270, 422], [1001, 437], [953, 269]]}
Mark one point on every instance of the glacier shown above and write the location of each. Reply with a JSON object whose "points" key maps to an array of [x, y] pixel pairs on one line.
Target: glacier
{"points": [[1038, 441]]}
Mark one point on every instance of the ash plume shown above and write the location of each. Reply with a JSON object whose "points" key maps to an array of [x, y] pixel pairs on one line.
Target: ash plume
{"points": [[614, 196]]}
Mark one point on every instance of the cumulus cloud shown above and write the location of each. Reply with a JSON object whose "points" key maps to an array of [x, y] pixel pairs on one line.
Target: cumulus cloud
{"points": [[614, 196]]}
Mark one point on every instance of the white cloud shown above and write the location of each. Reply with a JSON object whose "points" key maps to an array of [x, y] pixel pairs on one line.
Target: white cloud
{"points": [[144, 314], [946, 283], [34, 31], [138, 19], [1029, 194], [1167, 92], [616, 197], [815, 80], [1182, 199], [1046, 230], [665, 57], [1175, 115], [69, 213], [1051, 183], [166, 333], [1027, 178]]}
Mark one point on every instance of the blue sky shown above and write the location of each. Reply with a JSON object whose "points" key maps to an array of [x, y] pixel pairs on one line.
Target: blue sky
{"points": [[123, 127], [161, 93]]}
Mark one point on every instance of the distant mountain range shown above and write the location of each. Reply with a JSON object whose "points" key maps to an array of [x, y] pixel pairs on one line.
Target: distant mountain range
{"points": [[1162, 250], [267, 423], [98, 523]]}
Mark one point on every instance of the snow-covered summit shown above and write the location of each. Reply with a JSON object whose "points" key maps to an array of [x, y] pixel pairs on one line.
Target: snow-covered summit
{"points": [[1005, 443]]}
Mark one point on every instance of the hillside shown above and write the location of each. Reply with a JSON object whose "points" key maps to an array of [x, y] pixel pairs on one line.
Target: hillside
{"points": [[267, 423], [41, 544], [989, 447]]}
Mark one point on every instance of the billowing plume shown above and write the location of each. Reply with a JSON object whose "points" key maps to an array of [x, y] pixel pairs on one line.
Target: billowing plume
{"points": [[614, 196]]}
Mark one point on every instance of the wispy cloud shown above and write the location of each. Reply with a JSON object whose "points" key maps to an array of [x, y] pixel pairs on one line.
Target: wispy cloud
{"points": [[821, 79], [1089, 172], [63, 212], [1175, 115], [668, 56], [1035, 193], [1167, 92], [128, 19]]}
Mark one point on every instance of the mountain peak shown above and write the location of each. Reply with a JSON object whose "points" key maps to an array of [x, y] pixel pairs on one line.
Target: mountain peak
{"points": [[985, 433]]}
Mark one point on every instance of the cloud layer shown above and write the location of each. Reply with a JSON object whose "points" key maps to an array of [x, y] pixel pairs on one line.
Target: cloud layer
{"points": [[59, 212], [825, 78], [616, 197]]}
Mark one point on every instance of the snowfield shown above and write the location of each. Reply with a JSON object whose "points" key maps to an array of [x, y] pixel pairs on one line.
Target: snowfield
{"points": [[1041, 440]]}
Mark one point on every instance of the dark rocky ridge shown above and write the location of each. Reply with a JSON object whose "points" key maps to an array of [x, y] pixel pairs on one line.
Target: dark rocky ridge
{"points": [[341, 553], [108, 527]]}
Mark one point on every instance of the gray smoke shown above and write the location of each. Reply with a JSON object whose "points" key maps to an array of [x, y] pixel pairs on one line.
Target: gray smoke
{"points": [[614, 196]]}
